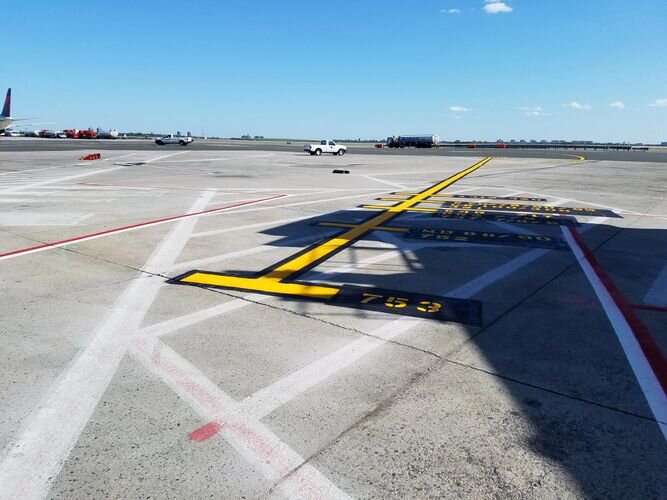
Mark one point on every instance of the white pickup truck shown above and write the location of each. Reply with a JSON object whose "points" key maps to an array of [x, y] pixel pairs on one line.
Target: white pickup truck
{"points": [[174, 139], [325, 147]]}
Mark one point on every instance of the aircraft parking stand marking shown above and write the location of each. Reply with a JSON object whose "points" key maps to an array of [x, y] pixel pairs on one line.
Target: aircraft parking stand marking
{"points": [[474, 197], [278, 280], [460, 236], [514, 207]]}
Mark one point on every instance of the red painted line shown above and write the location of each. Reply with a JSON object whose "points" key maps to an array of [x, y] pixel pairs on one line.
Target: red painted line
{"points": [[76, 239], [205, 432], [649, 308], [652, 352]]}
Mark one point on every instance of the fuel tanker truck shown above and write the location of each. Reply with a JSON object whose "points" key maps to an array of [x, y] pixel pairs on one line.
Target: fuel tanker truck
{"points": [[415, 141]]}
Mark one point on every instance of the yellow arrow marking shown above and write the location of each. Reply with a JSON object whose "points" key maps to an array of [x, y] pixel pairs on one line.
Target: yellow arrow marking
{"points": [[273, 281]]}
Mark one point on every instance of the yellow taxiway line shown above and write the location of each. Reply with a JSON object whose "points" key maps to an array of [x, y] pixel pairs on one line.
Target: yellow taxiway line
{"points": [[273, 281]]}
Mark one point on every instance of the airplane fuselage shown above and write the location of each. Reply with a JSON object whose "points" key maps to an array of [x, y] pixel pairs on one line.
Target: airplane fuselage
{"points": [[5, 121]]}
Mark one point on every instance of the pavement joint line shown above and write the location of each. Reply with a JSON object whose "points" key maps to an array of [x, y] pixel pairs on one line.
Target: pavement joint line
{"points": [[551, 391], [385, 403], [171, 325]]}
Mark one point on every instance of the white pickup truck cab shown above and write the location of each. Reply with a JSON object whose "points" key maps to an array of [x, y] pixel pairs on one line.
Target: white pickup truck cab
{"points": [[325, 147], [174, 139]]}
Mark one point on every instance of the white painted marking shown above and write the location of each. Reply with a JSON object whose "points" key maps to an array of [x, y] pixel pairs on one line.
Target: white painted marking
{"points": [[274, 223], [119, 157], [172, 325], [104, 235], [19, 172], [268, 399], [218, 159], [152, 160], [657, 294], [649, 384], [388, 183], [513, 228], [59, 179], [42, 219], [451, 171], [199, 263], [277, 394], [249, 437], [297, 204], [30, 464]]}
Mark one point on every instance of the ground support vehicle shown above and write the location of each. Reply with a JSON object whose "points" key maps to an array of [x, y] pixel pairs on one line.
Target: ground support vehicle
{"points": [[417, 141], [325, 146]]}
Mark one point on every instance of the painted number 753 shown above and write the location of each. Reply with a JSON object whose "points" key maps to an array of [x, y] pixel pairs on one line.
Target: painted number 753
{"points": [[394, 302]]}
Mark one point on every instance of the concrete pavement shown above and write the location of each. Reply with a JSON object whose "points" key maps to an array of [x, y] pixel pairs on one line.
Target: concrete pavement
{"points": [[117, 382]]}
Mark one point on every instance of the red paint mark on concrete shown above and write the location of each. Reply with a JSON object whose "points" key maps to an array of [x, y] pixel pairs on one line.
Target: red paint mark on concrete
{"points": [[652, 352], [205, 432]]}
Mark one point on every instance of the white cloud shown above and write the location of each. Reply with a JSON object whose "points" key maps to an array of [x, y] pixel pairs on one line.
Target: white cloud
{"points": [[659, 103], [533, 111], [459, 109], [493, 7], [618, 105], [576, 105], [450, 11]]}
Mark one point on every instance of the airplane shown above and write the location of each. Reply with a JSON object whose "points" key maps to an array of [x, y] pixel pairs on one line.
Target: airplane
{"points": [[5, 117]]}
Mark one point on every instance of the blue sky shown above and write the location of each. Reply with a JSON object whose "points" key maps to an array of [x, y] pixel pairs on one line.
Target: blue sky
{"points": [[542, 69]]}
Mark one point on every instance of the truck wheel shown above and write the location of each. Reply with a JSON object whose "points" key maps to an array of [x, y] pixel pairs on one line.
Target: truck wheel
{"points": [[341, 152], [318, 152], [311, 153], [182, 143]]}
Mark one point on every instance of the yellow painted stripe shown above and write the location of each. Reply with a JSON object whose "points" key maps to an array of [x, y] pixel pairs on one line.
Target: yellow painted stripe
{"points": [[396, 209], [321, 251], [262, 284], [271, 282], [377, 228]]}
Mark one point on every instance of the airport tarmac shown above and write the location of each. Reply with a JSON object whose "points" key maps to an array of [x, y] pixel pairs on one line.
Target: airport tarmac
{"points": [[227, 323], [17, 144]]}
